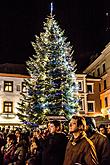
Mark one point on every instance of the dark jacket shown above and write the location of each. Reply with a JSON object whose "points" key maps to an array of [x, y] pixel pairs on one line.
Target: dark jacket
{"points": [[80, 150], [53, 153], [9, 154], [35, 153], [102, 145], [20, 153]]}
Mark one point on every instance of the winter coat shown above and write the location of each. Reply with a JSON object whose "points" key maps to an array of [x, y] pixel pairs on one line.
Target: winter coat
{"points": [[34, 155], [2, 143], [20, 153], [8, 154], [80, 151], [102, 146], [53, 153]]}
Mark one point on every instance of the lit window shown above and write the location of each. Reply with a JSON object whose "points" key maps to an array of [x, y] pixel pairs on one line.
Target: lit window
{"points": [[8, 107], [90, 106], [24, 90], [8, 86]]}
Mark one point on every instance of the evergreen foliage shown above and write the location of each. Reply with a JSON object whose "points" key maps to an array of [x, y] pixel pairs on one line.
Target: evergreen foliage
{"points": [[52, 88]]}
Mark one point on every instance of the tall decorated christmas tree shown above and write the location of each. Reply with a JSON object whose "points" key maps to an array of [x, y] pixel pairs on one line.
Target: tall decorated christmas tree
{"points": [[52, 88]]}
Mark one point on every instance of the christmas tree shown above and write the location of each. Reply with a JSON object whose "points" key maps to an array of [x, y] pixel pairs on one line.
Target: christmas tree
{"points": [[52, 88]]}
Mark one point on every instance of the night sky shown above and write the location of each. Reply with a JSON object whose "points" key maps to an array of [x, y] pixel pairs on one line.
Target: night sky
{"points": [[85, 24]]}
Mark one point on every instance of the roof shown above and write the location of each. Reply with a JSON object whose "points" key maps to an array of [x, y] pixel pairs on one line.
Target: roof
{"points": [[13, 68], [92, 77]]}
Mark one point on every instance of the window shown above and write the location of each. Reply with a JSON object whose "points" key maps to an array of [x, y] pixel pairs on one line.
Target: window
{"points": [[106, 102], [99, 87], [93, 74], [105, 85], [8, 107], [24, 87], [103, 66], [8, 86], [80, 85], [100, 103], [81, 104], [18, 88], [89, 88], [90, 106], [98, 72]]}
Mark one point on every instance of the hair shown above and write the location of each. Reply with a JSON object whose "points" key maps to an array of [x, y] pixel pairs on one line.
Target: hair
{"points": [[80, 121], [1, 134], [37, 130], [90, 122], [12, 137], [56, 123], [19, 130], [103, 126]]}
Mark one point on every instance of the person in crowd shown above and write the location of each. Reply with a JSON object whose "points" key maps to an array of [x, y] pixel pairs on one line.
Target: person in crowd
{"points": [[100, 141], [55, 145], [21, 149], [102, 129], [79, 150], [33, 153], [2, 143], [36, 148], [18, 134], [9, 149], [40, 141], [108, 132], [45, 133]]}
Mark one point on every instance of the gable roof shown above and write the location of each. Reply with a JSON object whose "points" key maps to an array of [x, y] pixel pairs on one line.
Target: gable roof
{"points": [[13, 68]]}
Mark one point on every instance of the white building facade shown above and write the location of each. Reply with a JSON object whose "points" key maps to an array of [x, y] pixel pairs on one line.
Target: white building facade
{"points": [[11, 85]]}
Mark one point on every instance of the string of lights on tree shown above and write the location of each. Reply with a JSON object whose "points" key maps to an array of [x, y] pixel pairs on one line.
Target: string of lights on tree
{"points": [[52, 88]]}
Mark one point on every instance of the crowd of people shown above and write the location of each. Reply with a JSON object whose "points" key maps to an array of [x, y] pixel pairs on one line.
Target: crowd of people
{"points": [[81, 144]]}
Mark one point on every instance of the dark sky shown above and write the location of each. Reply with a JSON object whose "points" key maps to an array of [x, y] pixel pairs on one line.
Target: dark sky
{"points": [[84, 21]]}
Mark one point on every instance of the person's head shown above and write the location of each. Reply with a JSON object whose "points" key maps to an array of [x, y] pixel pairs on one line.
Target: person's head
{"points": [[48, 126], [77, 123], [90, 123], [102, 129], [108, 129], [11, 138], [54, 126], [45, 133], [18, 133], [37, 133], [1, 135]]}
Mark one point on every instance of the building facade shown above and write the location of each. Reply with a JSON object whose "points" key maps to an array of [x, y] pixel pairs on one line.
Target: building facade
{"points": [[12, 84], [89, 94], [100, 68]]}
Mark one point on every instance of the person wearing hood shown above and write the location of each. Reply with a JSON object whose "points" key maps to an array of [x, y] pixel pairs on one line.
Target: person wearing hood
{"points": [[100, 141]]}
